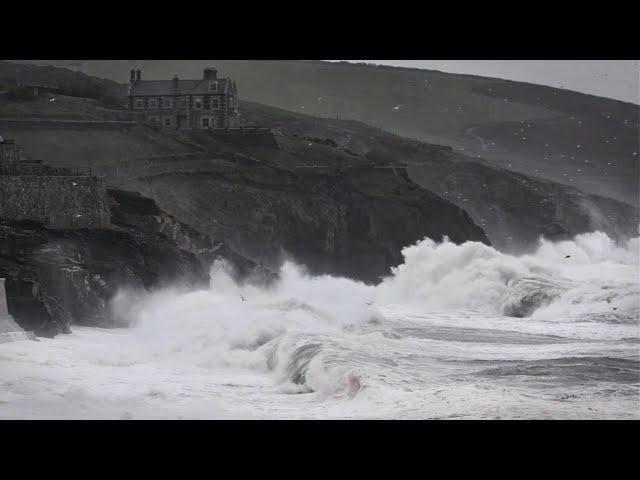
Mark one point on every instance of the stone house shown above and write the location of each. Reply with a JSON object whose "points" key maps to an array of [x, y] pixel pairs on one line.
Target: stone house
{"points": [[207, 103]]}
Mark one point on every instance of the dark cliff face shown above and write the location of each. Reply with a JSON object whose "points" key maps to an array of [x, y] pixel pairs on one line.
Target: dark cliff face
{"points": [[513, 209], [255, 213], [131, 210], [349, 225], [343, 225], [516, 210], [56, 278]]}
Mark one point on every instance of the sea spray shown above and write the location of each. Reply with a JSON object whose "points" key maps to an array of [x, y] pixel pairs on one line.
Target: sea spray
{"points": [[324, 347], [295, 329], [473, 276]]}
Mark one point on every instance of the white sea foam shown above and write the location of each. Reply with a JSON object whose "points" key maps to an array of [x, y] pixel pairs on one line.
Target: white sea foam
{"points": [[584, 272], [432, 328]]}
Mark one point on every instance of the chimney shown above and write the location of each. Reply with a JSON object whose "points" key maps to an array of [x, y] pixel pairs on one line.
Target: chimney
{"points": [[138, 74], [210, 74], [175, 82], [132, 78]]}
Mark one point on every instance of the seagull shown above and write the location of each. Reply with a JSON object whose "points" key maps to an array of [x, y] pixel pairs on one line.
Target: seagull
{"points": [[370, 303], [243, 299], [398, 107], [52, 100], [568, 256]]}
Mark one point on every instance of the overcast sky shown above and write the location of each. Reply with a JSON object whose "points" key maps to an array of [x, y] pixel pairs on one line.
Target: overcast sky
{"points": [[619, 79]]}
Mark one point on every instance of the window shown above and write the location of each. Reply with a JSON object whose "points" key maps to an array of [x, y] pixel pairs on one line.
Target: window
{"points": [[213, 86], [139, 103], [167, 102], [205, 122], [215, 104], [167, 122], [197, 103], [153, 103]]}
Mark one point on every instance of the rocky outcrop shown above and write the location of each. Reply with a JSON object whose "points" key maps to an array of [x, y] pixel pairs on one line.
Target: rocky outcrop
{"points": [[133, 211], [55, 278], [349, 224]]}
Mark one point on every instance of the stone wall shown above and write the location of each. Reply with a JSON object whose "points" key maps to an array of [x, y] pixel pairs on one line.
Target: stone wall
{"points": [[55, 201]]}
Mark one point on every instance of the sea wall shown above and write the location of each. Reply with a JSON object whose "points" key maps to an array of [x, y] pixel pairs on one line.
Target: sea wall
{"points": [[55, 201]]}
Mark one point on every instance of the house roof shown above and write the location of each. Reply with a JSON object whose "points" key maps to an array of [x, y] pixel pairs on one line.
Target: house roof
{"points": [[185, 87]]}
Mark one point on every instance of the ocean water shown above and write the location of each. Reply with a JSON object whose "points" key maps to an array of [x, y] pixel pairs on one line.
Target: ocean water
{"points": [[456, 331]]}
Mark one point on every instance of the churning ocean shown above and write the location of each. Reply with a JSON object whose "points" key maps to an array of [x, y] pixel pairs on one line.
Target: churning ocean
{"points": [[456, 331]]}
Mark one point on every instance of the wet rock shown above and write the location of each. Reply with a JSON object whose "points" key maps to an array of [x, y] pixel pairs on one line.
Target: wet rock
{"points": [[58, 278]]}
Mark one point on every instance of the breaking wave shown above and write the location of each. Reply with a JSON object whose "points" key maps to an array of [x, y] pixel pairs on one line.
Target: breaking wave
{"points": [[299, 330], [589, 274]]}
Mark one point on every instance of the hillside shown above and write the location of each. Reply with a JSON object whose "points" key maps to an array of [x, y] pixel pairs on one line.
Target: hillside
{"points": [[513, 209], [261, 203], [351, 223], [578, 140], [70, 83], [189, 175]]}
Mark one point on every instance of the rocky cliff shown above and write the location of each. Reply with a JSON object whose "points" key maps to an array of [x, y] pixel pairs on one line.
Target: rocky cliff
{"points": [[513, 209], [56, 277], [353, 225]]}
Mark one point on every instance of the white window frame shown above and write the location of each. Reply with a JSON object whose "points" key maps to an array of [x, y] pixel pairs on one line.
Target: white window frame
{"points": [[217, 103], [213, 86], [168, 119], [167, 102], [197, 101], [153, 104], [208, 119], [139, 104]]}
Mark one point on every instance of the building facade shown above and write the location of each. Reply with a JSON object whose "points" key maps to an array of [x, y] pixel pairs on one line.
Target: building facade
{"points": [[208, 103]]}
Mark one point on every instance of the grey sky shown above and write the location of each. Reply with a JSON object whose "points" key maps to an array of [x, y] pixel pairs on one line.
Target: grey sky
{"points": [[619, 79]]}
